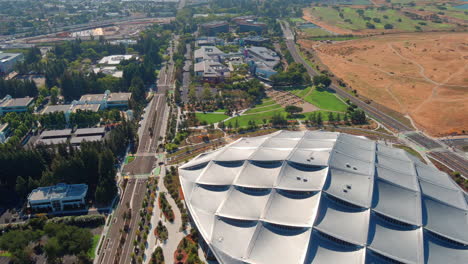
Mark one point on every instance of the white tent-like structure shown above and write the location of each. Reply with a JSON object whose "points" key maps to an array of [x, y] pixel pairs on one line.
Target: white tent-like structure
{"points": [[323, 197]]}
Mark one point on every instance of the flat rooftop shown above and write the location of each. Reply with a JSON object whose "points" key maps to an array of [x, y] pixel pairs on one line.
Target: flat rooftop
{"points": [[87, 107], [51, 141], [56, 133], [17, 102], [92, 97], [116, 97], [58, 191], [55, 108], [79, 140], [89, 131]]}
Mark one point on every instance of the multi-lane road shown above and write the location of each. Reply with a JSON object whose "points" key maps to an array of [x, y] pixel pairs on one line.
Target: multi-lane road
{"points": [[155, 120], [436, 149], [111, 252]]}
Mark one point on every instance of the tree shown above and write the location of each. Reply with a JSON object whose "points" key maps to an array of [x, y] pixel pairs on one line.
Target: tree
{"points": [[313, 118], [21, 186], [370, 25], [388, 26], [331, 118], [358, 117], [292, 109], [321, 80], [278, 120], [319, 119], [52, 250], [106, 189], [54, 92]]}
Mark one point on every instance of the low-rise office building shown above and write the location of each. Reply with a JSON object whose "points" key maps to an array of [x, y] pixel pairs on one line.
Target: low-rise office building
{"points": [[263, 54], [106, 100], [9, 104], [58, 198], [211, 71], [211, 53], [214, 28], [8, 61]]}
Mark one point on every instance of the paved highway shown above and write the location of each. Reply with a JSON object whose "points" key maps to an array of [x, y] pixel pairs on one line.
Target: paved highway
{"points": [[449, 158]]}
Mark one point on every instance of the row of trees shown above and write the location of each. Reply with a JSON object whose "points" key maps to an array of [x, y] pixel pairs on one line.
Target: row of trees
{"points": [[17, 88]]}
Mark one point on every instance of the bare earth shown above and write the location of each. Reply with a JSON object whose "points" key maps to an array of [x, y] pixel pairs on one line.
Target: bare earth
{"points": [[422, 75]]}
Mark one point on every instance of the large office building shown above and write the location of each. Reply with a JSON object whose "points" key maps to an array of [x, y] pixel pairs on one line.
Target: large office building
{"points": [[8, 61], [58, 198], [214, 28], [9, 104], [106, 100], [323, 197]]}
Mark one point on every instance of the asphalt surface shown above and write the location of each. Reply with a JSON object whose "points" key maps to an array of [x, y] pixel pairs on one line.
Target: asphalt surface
{"points": [[186, 75], [138, 196], [143, 164], [449, 158], [110, 244]]}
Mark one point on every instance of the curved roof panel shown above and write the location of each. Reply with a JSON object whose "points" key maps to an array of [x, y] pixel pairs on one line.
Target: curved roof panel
{"points": [[323, 197], [343, 222], [322, 250], [244, 203], [445, 220], [292, 208], [277, 244], [401, 244], [301, 178], [397, 202], [220, 173]]}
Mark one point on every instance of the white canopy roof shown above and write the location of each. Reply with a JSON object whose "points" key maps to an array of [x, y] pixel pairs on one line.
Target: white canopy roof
{"points": [[322, 197]]}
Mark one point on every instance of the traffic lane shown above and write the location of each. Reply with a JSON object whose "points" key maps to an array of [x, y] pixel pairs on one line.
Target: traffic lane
{"points": [[113, 236], [136, 206]]}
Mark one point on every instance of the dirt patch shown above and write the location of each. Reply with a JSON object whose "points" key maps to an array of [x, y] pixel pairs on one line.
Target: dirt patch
{"points": [[422, 75]]}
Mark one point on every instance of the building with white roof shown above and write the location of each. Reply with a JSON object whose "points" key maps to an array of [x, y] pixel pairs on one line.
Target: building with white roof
{"points": [[115, 59], [324, 197], [58, 198], [8, 61]]}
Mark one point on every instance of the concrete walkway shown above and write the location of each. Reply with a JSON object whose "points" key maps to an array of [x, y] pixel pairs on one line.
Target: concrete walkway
{"points": [[173, 229]]}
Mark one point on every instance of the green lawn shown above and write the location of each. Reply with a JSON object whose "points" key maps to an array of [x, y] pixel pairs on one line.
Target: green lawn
{"points": [[5, 254], [244, 120], [300, 92], [265, 102], [92, 250], [389, 16], [210, 118], [263, 109], [326, 101], [220, 111]]}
